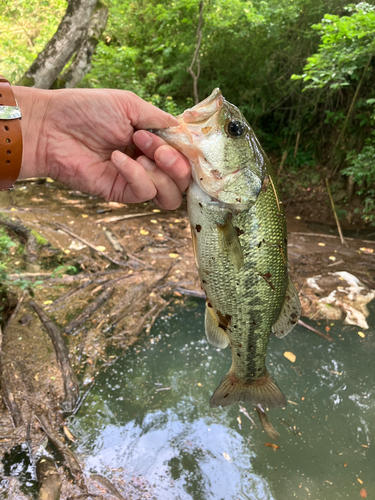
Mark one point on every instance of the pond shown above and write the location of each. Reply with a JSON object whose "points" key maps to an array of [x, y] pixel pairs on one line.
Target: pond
{"points": [[147, 421]]}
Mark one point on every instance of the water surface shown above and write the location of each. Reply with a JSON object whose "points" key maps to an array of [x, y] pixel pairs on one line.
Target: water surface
{"points": [[147, 419]]}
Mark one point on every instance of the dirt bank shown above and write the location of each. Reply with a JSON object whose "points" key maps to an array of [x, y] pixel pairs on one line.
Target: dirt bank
{"points": [[104, 272]]}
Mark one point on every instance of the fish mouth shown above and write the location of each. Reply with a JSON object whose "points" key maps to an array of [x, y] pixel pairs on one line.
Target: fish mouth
{"points": [[204, 109], [183, 135]]}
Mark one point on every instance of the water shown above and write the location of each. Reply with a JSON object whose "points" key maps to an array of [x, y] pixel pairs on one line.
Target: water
{"points": [[147, 420]]}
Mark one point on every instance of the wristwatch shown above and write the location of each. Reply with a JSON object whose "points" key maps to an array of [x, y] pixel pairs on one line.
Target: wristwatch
{"points": [[10, 136]]}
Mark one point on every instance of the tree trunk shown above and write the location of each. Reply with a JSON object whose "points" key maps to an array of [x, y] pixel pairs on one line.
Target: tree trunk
{"points": [[69, 37], [81, 64]]}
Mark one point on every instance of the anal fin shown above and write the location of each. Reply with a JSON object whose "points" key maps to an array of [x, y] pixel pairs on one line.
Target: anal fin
{"points": [[215, 335], [289, 314]]}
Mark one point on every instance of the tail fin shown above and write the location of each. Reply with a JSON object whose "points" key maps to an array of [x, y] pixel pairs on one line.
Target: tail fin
{"points": [[263, 391]]}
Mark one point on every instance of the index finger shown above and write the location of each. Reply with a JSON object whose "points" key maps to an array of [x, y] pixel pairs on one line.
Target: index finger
{"points": [[167, 158]]}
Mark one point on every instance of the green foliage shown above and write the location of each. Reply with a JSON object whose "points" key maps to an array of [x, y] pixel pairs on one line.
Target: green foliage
{"points": [[26, 27], [347, 43], [362, 167]]}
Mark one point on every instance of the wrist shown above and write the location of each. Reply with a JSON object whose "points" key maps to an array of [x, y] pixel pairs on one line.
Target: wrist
{"points": [[32, 103]]}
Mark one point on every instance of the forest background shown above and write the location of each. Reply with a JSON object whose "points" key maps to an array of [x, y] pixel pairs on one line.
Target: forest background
{"points": [[301, 71]]}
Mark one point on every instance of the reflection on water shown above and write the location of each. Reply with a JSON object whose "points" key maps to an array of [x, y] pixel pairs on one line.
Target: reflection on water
{"points": [[148, 417]]}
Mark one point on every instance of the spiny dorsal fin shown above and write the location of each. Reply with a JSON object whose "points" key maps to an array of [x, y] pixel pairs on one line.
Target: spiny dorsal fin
{"points": [[229, 243], [289, 314], [215, 335]]}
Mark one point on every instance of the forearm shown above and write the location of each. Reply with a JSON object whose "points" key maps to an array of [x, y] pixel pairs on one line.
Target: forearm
{"points": [[33, 104]]}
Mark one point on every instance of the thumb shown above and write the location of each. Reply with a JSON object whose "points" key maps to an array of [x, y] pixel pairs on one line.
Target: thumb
{"points": [[144, 115]]}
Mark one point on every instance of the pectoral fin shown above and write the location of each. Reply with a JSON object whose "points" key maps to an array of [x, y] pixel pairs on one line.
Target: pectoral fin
{"points": [[215, 335], [290, 312], [229, 243], [195, 249]]}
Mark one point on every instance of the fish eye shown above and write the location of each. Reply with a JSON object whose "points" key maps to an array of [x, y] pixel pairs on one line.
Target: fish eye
{"points": [[235, 128]]}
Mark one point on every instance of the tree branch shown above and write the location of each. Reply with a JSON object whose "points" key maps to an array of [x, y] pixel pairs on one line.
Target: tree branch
{"points": [[195, 59]]}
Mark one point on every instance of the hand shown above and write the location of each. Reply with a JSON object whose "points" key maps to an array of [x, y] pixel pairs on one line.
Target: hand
{"points": [[78, 136]]}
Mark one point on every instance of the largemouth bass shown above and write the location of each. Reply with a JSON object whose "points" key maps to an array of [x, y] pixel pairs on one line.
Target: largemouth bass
{"points": [[239, 237]]}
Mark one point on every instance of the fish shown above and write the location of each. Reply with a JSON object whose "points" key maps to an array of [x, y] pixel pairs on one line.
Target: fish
{"points": [[239, 237]]}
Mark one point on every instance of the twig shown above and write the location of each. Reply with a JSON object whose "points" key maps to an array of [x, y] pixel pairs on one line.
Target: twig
{"points": [[114, 241], [285, 154], [16, 310], [308, 327], [196, 55], [83, 397], [297, 142], [117, 218], [48, 479], [157, 314], [88, 311], [192, 293], [322, 235], [88, 244], [343, 242], [107, 484], [69, 294], [62, 354], [352, 106]]}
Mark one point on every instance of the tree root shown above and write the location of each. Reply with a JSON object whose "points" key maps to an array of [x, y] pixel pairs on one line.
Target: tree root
{"points": [[48, 479], [88, 311], [62, 354]]}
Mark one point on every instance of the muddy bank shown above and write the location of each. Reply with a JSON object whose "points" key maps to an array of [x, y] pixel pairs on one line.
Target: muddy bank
{"points": [[104, 272]]}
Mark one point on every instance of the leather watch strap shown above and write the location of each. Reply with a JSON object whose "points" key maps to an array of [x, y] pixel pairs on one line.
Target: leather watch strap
{"points": [[10, 136]]}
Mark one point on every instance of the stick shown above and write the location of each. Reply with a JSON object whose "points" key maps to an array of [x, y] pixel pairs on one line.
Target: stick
{"points": [[192, 293], [9, 399], [88, 244], [113, 241], [107, 484], [157, 314], [48, 479], [308, 327], [88, 311], [16, 310], [297, 142], [285, 154], [343, 242], [70, 294], [117, 218], [62, 355], [321, 235]]}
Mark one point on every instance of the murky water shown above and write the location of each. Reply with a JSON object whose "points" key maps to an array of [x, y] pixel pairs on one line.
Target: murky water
{"points": [[148, 417]]}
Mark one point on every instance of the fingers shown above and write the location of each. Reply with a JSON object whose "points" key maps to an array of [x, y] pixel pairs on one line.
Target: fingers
{"points": [[168, 194], [142, 180], [168, 159], [134, 185]]}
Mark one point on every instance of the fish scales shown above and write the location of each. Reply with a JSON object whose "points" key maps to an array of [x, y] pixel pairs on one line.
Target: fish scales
{"points": [[240, 245]]}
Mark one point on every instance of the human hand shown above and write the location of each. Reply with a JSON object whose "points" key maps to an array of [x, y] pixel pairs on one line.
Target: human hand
{"points": [[77, 136]]}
